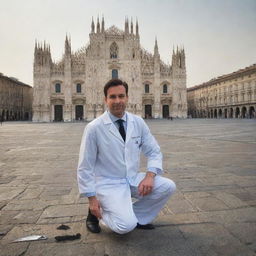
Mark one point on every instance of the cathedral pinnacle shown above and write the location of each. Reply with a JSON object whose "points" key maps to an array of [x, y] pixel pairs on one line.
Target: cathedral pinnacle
{"points": [[126, 26], [42, 54], [98, 25], [156, 53], [35, 45], [131, 26], [92, 26], [102, 25], [137, 27], [178, 58], [67, 46]]}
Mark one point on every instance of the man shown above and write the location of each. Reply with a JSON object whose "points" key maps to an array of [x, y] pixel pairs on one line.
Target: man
{"points": [[109, 163]]}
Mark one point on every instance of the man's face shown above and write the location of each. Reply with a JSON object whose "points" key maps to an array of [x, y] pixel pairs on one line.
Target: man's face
{"points": [[116, 100]]}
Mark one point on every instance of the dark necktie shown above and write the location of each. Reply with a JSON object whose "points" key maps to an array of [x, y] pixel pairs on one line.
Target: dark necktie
{"points": [[121, 128]]}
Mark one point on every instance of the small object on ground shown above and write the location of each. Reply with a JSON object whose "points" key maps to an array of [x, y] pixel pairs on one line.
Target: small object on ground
{"points": [[31, 238], [146, 226], [2, 233], [68, 237], [63, 227]]}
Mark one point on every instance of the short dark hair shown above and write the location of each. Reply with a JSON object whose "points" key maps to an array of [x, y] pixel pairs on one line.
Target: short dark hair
{"points": [[115, 82]]}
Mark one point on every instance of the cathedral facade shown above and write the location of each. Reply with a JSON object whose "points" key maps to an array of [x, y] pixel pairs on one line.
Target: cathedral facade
{"points": [[72, 89]]}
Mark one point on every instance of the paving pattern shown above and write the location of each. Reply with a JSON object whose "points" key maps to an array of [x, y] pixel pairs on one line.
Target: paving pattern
{"points": [[213, 212]]}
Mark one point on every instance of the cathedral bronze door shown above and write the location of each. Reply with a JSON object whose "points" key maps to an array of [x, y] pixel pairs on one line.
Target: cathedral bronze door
{"points": [[148, 111], [165, 111], [79, 112], [58, 113]]}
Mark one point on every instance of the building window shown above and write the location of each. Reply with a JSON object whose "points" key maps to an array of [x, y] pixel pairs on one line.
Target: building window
{"points": [[78, 88], [146, 88], [57, 88], [114, 73], [165, 88], [113, 51]]}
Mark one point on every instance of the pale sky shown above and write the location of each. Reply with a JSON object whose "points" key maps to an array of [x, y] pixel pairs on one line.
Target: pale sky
{"points": [[219, 36]]}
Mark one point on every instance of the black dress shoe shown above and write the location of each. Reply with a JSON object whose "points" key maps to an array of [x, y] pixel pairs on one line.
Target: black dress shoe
{"points": [[146, 226], [92, 223]]}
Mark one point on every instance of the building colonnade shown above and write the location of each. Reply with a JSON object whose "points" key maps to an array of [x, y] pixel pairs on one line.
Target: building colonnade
{"points": [[228, 96]]}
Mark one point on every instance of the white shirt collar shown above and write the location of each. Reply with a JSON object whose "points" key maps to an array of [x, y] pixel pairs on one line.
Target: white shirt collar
{"points": [[114, 118]]}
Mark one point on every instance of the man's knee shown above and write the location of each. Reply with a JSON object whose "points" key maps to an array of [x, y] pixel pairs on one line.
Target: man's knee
{"points": [[167, 188], [124, 226], [171, 186]]}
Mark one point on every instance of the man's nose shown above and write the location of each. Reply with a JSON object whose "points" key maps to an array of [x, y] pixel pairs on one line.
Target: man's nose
{"points": [[117, 99]]}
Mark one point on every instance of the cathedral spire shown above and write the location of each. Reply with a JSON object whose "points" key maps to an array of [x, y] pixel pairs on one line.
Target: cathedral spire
{"points": [[35, 45], [183, 58], [35, 50], [156, 52], [174, 57], [98, 25], [67, 46], [126, 26], [102, 25], [137, 27], [92, 26], [131, 26], [156, 46]]}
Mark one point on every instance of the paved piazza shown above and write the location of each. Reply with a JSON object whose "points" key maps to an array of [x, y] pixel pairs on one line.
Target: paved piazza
{"points": [[213, 163]]}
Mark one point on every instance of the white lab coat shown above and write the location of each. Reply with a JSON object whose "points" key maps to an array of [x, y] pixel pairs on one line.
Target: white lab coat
{"points": [[109, 168], [104, 154]]}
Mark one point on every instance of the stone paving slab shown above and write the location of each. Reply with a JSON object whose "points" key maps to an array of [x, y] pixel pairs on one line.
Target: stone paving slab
{"points": [[212, 213]]}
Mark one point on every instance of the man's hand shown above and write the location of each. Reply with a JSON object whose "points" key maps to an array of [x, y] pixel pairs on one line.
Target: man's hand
{"points": [[94, 206], [147, 184]]}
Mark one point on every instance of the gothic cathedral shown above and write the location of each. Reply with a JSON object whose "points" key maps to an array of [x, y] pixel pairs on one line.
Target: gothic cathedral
{"points": [[72, 89]]}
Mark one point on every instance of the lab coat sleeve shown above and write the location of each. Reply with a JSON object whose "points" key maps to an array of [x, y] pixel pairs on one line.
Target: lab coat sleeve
{"points": [[151, 150], [86, 163]]}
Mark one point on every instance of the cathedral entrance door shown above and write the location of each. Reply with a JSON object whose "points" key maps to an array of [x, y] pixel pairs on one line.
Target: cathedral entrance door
{"points": [[58, 113], [165, 111], [148, 111], [79, 112]]}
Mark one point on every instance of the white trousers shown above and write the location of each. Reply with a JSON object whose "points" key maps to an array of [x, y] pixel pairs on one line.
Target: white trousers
{"points": [[120, 214]]}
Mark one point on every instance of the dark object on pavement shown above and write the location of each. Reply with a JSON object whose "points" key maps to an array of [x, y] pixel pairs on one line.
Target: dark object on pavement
{"points": [[67, 237], [63, 227], [92, 223], [147, 226]]}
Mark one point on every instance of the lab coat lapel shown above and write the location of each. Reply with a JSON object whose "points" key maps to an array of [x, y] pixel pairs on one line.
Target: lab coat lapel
{"points": [[130, 127], [115, 132], [112, 128]]}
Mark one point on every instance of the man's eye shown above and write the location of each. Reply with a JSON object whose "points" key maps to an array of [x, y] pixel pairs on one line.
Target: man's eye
{"points": [[112, 97]]}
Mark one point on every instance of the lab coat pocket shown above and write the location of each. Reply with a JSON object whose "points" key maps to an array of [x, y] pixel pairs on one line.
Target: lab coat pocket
{"points": [[136, 145]]}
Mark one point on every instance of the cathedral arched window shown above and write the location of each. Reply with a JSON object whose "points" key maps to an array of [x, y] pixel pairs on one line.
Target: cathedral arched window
{"points": [[57, 88], [146, 88], [114, 73], [78, 88], [113, 51], [165, 88]]}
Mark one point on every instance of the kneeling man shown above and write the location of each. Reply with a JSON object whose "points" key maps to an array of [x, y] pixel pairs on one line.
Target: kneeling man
{"points": [[108, 169]]}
